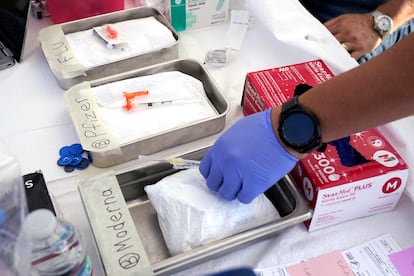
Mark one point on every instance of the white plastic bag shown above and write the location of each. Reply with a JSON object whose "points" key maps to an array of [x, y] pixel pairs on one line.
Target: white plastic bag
{"points": [[190, 215]]}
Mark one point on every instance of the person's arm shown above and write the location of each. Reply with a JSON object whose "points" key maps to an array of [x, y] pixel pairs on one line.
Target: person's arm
{"points": [[356, 33], [399, 10], [374, 93], [249, 158]]}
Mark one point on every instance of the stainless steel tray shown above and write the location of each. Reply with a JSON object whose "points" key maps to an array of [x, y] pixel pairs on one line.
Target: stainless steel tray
{"points": [[154, 255], [100, 143], [69, 72]]}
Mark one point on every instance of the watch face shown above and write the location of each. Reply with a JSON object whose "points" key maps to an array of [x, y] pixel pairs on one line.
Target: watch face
{"points": [[299, 129], [384, 23]]}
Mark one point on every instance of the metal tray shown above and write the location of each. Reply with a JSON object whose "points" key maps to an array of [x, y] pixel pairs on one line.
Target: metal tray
{"points": [[155, 259], [104, 150], [69, 72]]}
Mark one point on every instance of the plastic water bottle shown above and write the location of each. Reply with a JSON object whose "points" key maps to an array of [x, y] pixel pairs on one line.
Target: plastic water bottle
{"points": [[57, 248], [14, 252]]}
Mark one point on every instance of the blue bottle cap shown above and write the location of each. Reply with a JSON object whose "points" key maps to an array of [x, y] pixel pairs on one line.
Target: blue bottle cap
{"points": [[83, 164], [65, 160], [64, 151], [71, 157], [69, 168], [76, 160], [76, 149]]}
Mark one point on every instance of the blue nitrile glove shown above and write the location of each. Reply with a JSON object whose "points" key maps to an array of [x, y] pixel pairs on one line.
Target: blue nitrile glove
{"points": [[347, 154], [246, 160]]}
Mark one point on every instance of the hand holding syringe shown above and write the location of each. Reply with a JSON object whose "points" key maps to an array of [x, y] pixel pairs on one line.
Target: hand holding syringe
{"points": [[176, 162]]}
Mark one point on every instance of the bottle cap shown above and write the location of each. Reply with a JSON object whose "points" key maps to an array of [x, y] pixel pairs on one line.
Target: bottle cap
{"points": [[76, 149], [40, 224], [71, 157]]}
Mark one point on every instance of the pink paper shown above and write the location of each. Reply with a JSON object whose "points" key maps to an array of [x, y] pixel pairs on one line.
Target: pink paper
{"points": [[404, 261], [331, 264]]}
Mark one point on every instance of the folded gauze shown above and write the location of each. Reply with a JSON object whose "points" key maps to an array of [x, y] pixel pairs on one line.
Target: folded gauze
{"points": [[190, 215]]}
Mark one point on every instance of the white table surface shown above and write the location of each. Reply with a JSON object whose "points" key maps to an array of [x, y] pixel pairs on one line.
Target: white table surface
{"points": [[35, 124]]}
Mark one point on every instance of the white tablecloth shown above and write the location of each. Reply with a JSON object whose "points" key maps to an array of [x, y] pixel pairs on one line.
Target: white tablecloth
{"points": [[35, 124]]}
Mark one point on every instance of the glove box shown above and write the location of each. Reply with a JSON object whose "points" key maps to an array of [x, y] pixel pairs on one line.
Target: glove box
{"points": [[104, 143], [137, 37], [126, 229]]}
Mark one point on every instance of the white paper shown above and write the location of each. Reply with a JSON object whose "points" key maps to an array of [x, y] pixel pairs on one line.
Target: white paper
{"points": [[272, 271], [367, 259], [291, 23], [237, 30], [189, 104], [138, 36], [371, 258]]}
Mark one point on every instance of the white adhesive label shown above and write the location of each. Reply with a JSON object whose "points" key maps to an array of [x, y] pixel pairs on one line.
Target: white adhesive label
{"points": [[88, 121], [59, 54], [119, 244]]}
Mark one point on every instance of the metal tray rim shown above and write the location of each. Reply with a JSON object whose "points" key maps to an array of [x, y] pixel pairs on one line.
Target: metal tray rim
{"points": [[188, 259], [301, 213], [66, 82], [215, 124], [225, 245]]}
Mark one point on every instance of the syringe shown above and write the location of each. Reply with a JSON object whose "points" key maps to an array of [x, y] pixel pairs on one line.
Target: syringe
{"points": [[176, 162]]}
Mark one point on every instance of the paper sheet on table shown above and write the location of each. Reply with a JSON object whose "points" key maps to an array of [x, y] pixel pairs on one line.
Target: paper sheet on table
{"points": [[291, 23], [296, 243], [189, 104], [404, 261], [239, 24], [368, 258], [139, 36]]}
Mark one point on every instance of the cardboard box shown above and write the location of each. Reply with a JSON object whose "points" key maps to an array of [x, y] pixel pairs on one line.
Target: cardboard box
{"points": [[272, 87], [339, 193], [203, 13]]}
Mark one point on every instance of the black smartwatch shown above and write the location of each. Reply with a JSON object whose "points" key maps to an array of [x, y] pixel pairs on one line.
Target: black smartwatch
{"points": [[299, 128]]}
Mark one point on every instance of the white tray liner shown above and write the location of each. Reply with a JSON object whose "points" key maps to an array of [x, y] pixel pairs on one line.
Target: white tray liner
{"points": [[190, 104], [140, 36]]}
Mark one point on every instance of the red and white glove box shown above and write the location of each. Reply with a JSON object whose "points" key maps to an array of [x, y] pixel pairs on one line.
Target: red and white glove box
{"points": [[339, 193]]}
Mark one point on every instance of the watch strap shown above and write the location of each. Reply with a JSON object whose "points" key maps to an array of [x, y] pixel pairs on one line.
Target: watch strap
{"points": [[376, 14]]}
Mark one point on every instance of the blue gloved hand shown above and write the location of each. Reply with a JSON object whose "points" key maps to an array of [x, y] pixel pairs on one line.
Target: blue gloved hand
{"points": [[246, 160]]}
